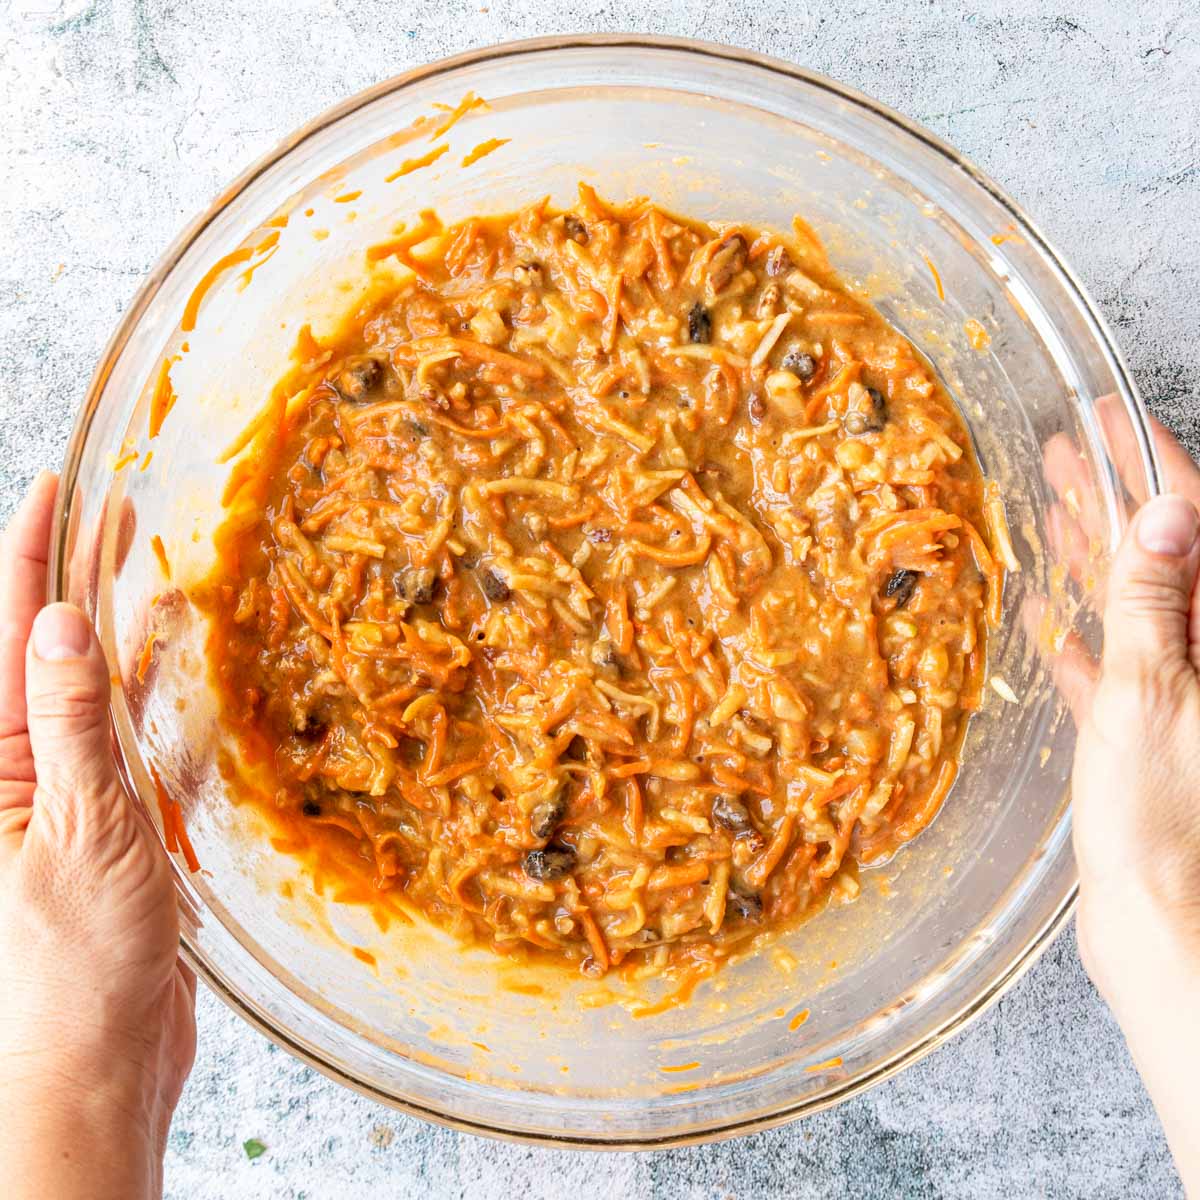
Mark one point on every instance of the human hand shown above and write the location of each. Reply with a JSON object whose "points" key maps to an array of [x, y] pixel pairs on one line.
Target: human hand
{"points": [[97, 1032], [1136, 796]]}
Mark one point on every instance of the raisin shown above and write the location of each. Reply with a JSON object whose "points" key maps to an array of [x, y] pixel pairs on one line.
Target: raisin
{"points": [[576, 230], [417, 585], [802, 365], [310, 808], [544, 818], [872, 421], [879, 408], [358, 376], [756, 409], [552, 862], [494, 586], [900, 586], [699, 323], [308, 729], [604, 655], [747, 906], [730, 813]]}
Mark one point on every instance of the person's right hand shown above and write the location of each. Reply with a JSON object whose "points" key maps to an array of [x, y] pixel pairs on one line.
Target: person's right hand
{"points": [[1136, 796]]}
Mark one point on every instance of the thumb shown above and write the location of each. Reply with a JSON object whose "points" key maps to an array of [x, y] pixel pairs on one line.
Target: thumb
{"points": [[66, 692], [1150, 590]]}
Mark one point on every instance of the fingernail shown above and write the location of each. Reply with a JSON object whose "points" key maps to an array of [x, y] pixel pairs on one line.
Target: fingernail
{"points": [[61, 632], [1168, 525]]}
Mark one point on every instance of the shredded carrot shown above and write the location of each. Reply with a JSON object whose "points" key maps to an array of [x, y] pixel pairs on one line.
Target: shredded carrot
{"points": [[192, 309], [674, 558], [595, 938], [639, 766], [456, 114], [409, 165], [571, 520], [666, 878], [470, 350], [143, 665], [485, 432], [406, 239], [185, 842], [848, 374], [175, 835], [691, 979], [163, 399], [620, 628], [484, 149], [760, 870], [937, 279], [454, 773], [165, 809], [156, 544], [266, 250], [922, 815], [826, 1065], [730, 779]]}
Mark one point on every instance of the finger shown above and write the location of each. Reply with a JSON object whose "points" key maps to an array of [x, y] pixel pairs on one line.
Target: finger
{"points": [[189, 979], [1180, 474], [1074, 671], [22, 592], [1069, 474], [1071, 547], [66, 685], [1121, 442], [1151, 590], [1075, 674], [14, 820], [1194, 628], [126, 528]]}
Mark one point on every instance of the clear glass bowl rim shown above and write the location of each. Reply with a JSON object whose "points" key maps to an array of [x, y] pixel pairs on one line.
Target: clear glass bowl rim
{"points": [[1028, 954]]}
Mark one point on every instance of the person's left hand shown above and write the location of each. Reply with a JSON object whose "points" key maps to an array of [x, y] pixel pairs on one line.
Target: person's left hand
{"points": [[97, 1032]]}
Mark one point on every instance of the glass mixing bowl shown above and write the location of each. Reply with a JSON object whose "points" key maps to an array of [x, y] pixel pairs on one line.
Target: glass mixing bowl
{"points": [[939, 932]]}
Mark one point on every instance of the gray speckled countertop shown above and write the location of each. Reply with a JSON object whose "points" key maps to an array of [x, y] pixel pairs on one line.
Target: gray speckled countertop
{"points": [[120, 119]]}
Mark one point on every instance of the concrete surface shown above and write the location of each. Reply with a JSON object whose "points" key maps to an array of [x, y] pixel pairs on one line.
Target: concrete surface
{"points": [[119, 119]]}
